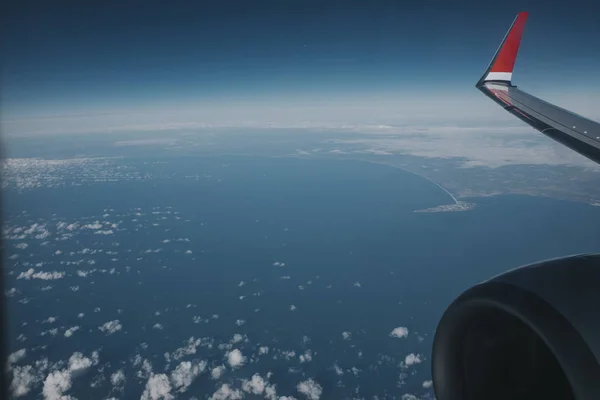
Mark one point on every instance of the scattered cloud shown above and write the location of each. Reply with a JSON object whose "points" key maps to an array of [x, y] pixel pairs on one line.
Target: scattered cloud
{"points": [[111, 327], [235, 358], [157, 388], [311, 389], [412, 359], [216, 372], [256, 385], [69, 332], [225, 392], [31, 274], [185, 373], [400, 332]]}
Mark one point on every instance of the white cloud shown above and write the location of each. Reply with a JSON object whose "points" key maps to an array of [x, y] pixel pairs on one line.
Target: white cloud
{"points": [[306, 357], [16, 357], [346, 335], [427, 384], [256, 385], [292, 307], [190, 348], [263, 350], [118, 380], [412, 359], [217, 372], [56, 384], [338, 370], [46, 276], [408, 396], [69, 332], [235, 358], [225, 392], [185, 373], [146, 369], [24, 379], [400, 332], [111, 327], [157, 388], [237, 338], [311, 389], [78, 362], [240, 322], [157, 326]]}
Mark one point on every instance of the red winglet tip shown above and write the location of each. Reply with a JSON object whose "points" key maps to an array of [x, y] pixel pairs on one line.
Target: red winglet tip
{"points": [[508, 53]]}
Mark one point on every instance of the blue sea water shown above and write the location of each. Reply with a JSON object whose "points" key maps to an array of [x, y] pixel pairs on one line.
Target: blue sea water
{"points": [[196, 244]]}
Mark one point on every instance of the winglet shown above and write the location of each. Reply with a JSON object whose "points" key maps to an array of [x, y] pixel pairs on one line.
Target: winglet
{"points": [[501, 66]]}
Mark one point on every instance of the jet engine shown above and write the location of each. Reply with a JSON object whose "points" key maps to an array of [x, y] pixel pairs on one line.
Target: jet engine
{"points": [[530, 333]]}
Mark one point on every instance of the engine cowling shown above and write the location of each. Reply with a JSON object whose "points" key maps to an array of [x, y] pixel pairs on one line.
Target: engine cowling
{"points": [[532, 332]]}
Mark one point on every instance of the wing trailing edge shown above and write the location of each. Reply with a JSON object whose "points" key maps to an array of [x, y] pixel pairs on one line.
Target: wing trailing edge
{"points": [[574, 131]]}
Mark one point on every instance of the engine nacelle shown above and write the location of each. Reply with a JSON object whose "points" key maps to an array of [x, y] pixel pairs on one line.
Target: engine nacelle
{"points": [[532, 332]]}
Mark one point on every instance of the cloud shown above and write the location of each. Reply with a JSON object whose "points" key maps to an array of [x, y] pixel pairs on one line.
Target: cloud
{"points": [[58, 382], [292, 307], [217, 372], [225, 392], [338, 370], [185, 373], [306, 357], [346, 335], [237, 338], [157, 388], [400, 332], [78, 362], [263, 350], [256, 385], [24, 379], [55, 384], [240, 322], [118, 380], [111, 327], [427, 384], [30, 273], [480, 146], [69, 332], [408, 396], [16, 357], [311, 389], [188, 349], [412, 359], [235, 358]]}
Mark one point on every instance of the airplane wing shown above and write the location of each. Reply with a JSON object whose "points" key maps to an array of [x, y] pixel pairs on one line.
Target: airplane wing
{"points": [[572, 130]]}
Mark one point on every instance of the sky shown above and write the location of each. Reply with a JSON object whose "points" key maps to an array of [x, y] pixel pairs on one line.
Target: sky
{"points": [[73, 65]]}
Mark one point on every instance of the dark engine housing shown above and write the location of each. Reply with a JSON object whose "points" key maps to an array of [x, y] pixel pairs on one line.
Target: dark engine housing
{"points": [[530, 333]]}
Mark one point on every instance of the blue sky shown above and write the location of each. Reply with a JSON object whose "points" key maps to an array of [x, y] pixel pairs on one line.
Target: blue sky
{"points": [[68, 58]]}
